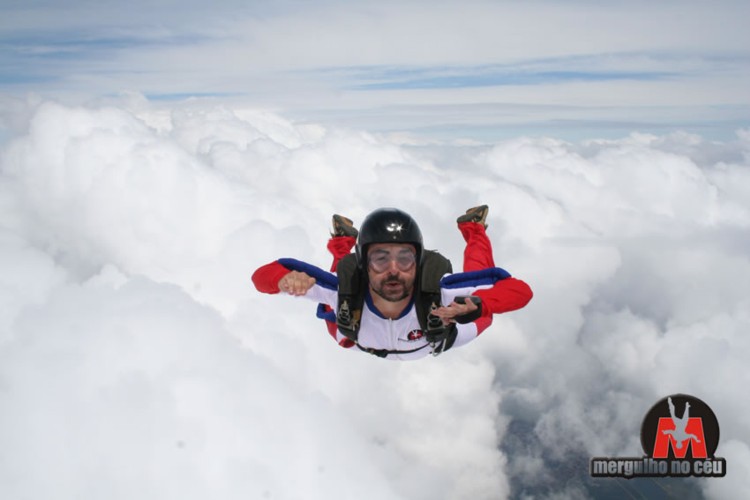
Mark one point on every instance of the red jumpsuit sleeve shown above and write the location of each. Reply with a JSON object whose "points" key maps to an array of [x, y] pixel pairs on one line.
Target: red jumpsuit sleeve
{"points": [[266, 278], [505, 295]]}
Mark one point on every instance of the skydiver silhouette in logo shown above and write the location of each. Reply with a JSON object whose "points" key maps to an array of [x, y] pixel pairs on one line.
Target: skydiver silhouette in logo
{"points": [[680, 424]]}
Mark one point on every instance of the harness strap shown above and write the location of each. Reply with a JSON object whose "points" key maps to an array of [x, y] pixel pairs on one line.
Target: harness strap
{"points": [[351, 297], [382, 353], [434, 266]]}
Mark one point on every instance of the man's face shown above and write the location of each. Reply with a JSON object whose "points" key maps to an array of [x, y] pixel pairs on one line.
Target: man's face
{"points": [[392, 269]]}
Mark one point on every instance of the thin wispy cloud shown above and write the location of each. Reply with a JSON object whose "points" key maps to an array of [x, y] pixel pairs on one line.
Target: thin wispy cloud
{"points": [[356, 59], [450, 78]]}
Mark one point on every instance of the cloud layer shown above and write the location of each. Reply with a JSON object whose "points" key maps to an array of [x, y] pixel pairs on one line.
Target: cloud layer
{"points": [[136, 360]]}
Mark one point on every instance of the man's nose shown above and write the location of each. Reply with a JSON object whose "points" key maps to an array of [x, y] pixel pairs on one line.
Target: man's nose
{"points": [[393, 266]]}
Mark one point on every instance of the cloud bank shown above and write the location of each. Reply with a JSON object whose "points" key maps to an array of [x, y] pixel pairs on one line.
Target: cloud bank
{"points": [[136, 360]]}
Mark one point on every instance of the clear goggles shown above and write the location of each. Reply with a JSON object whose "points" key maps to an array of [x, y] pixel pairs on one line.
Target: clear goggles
{"points": [[380, 260]]}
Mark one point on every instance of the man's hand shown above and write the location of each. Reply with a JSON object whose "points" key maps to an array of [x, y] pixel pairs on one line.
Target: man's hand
{"points": [[296, 283], [459, 311]]}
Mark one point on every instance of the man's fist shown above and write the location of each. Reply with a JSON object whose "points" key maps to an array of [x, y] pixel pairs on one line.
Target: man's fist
{"points": [[296, 283]]}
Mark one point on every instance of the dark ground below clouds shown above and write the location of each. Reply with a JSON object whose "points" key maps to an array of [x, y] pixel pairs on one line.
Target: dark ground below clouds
{"points": [[571, 478]]}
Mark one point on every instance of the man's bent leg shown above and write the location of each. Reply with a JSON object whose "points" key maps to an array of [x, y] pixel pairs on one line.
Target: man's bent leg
{"points": [[340, 247], [478, 251]]}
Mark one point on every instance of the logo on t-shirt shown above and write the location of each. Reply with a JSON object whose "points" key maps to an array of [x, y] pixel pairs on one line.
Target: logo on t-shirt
{"points": [[414, 335]]}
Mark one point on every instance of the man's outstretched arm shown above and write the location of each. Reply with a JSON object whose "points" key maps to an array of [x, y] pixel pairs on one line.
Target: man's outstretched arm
{"points": [[295, 278], [266, 278], [499, 291], [506, 295]]}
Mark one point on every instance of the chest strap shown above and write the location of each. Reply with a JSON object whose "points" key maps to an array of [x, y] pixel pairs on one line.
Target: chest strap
{"points": [[382, 353]]}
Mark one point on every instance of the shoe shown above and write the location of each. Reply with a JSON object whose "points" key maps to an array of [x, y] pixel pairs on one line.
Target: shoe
{"points": [[343, 227], [476, 214]]}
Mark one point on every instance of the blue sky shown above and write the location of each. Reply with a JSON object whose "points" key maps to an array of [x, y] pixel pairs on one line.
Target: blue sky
{"points": [[567, 69]]}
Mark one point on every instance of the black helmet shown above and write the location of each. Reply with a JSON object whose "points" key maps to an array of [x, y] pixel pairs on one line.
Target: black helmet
{"points": [[388, 225]]}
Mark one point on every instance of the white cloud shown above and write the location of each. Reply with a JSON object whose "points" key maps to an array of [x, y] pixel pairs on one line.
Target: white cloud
{"points": [[141, 392], [129, 233]]}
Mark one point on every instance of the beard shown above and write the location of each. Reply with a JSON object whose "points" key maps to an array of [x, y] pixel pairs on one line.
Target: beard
{"points": [[393, 288]]}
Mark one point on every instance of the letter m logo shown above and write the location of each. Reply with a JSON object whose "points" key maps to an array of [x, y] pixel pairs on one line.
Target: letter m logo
{"points": [[692, 437]]}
